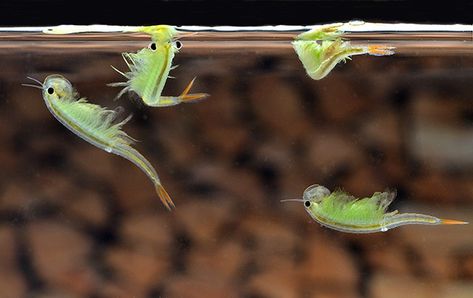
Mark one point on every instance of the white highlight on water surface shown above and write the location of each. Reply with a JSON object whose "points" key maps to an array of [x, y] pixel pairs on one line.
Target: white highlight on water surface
{"points": [[351, 26]]}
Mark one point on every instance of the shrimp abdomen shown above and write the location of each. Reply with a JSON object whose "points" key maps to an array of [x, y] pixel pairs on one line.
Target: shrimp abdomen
{"points": [[397, 220]]}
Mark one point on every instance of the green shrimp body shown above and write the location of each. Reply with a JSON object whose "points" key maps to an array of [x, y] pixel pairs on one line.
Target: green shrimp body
{"points": [[96, 125], [149, 71], [343, 212], [320, 57], [320, 50]]}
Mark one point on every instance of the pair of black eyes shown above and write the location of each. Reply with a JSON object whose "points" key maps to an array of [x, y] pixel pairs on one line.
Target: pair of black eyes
{"points": [[307, 203], [153, 47]]}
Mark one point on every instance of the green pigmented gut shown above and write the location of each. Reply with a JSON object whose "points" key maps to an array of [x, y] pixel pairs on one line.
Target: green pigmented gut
{"points": [[95, 125], [150, 67], [345, 213], [320, 50]]}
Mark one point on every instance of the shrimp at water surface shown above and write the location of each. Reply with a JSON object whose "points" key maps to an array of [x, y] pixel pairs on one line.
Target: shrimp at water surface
{"points": [[96, 125], [150, 67], [321, 49], [345, 213]]}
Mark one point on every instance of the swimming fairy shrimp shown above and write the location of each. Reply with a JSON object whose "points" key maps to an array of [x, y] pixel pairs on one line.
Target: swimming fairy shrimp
{"points": [[345, 213], [150, 67], [321, 49], [95, 125]]}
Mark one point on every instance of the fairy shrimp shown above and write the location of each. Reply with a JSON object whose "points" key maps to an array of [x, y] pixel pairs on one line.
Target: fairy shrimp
{"points": [[96, 125], [149, 69], [320, 50], [345, 213]]}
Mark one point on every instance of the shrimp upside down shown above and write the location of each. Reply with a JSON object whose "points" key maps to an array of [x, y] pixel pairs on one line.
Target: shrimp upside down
{"points": [[95, 125], [320, 50], [343, 212], [150, 67]]}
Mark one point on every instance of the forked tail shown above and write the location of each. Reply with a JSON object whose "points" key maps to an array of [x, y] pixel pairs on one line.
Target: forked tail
{"points": [[164, 196], [186, 97], [380, 50], [452, 222]]}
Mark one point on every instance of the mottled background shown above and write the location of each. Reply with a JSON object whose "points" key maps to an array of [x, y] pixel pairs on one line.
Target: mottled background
{"points": [[76, 221]]}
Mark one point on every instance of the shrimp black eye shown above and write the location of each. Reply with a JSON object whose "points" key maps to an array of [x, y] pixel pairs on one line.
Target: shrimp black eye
{"points": [[178, 44], [307, 204], [50, 90], [152, 46]]}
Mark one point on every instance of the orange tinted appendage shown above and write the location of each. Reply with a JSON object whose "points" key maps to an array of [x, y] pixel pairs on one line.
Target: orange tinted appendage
{"points": [[452, 222], [164, 196]]}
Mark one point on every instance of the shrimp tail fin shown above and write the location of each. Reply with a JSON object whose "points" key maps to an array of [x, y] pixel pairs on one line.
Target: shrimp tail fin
{"points": [[186, 97], [379, 50], [164, 197], [452, 222]]}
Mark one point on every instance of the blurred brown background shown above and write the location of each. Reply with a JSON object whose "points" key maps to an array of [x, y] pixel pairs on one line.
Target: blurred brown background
{"points": [[76, 221]]}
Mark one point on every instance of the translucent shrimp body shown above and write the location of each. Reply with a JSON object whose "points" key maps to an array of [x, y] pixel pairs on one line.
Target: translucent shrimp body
{"points": [[95, 125], [322, 49], [343, 212], [150, 67]]}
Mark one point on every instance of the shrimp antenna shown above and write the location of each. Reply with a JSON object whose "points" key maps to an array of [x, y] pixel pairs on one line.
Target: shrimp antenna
{"points": [[34, 86], [35, 80], [31, 85], [291, 200]]}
